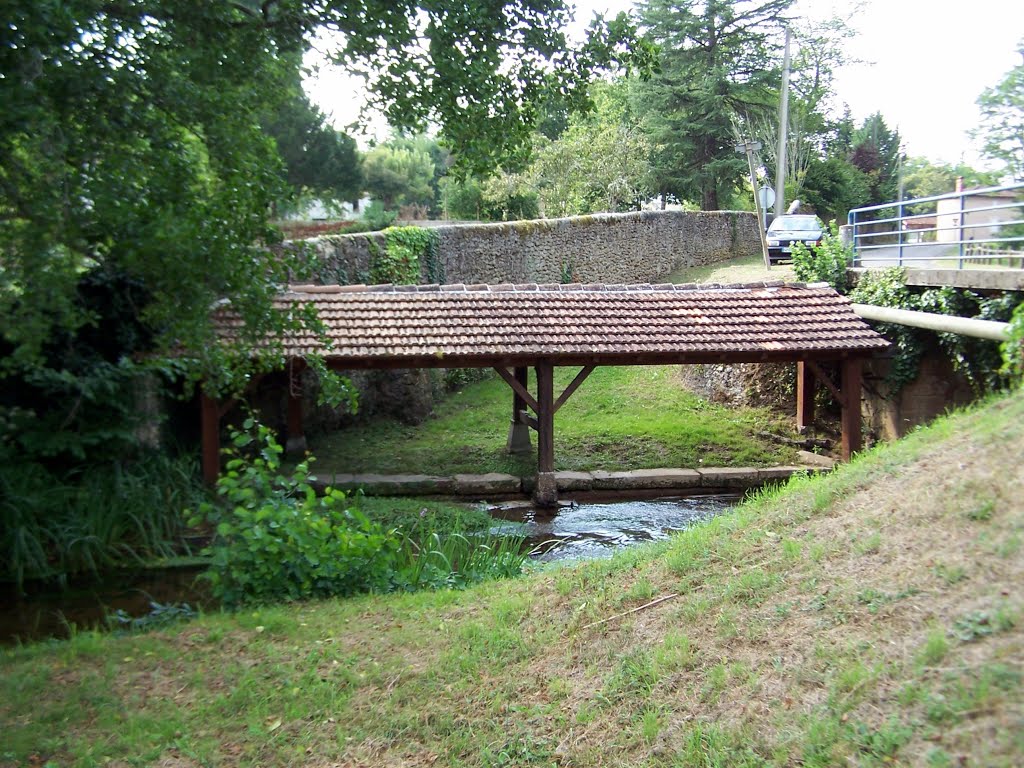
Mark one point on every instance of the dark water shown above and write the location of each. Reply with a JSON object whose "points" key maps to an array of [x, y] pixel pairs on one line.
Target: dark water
{"points": [[592, 528], [600, 528], [57, 613]]}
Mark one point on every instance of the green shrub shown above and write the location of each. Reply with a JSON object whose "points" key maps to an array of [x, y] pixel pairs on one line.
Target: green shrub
{"points": [[825, 263], [276, 539]]}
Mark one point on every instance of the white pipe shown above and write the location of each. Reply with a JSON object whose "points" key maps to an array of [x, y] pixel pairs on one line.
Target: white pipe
{"points": [[965, 326]]}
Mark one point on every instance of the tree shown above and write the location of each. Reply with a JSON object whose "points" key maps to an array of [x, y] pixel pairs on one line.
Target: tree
{"points": [[399, 175], [719, 61], [819, 52], [923, 178], [319, 160], [600, 163], [131, 145], [875, 152], [1002, 115]]}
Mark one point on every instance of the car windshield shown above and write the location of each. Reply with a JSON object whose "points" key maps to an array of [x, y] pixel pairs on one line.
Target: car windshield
{"points": [[795, 224]]}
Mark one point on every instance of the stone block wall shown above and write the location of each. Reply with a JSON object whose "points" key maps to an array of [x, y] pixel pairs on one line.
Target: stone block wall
{"points": [[605, 248]]}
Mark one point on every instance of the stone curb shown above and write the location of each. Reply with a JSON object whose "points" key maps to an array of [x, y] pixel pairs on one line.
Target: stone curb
{"points": [[497, 484]]}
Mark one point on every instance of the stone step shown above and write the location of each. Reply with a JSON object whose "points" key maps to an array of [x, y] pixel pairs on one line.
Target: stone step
{"points": [[495, 484]]}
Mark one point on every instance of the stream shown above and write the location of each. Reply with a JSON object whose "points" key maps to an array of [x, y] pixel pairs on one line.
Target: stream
{"points": [[594, 527]]}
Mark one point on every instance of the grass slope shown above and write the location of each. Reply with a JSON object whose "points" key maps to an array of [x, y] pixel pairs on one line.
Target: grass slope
{"points": [[621, 418], [868, 617], [745, 269]]}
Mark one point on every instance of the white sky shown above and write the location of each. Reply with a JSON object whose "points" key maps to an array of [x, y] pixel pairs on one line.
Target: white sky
{"points": [[925, 63]]}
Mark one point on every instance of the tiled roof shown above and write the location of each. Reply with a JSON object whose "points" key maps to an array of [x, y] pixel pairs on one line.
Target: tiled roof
{"points": [[430, 324]]}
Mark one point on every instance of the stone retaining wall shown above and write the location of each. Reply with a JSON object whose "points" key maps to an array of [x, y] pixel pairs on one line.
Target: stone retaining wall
{"points": [[605, 248]]}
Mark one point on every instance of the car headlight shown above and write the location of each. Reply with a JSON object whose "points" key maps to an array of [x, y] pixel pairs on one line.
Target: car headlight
{"points": [[772, 242]]}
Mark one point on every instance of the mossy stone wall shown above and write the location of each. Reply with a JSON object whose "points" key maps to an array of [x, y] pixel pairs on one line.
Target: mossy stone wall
{"points": [[604, 248]]}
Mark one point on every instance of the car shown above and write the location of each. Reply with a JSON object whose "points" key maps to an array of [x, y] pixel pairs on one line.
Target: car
{"points": [[792, 228]]}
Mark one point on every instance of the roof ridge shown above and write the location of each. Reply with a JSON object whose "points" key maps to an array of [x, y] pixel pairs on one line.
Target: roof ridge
{"points": [[310, 288]]}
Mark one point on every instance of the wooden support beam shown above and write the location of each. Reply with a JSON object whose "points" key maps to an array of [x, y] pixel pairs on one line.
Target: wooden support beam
{"points": [[821, 376], [545, 417], [851, 384], [804, 397], [528, 420], [295, 445], [518, 388], [573, 386], [210, 414], [522, 375]]}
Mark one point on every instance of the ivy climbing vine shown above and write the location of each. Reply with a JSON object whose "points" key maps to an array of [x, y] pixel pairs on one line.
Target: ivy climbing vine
{"points": [[404, 250]]}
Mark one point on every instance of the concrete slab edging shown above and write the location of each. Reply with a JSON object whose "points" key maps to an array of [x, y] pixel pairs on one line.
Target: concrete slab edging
{"points": [[496, 484]]}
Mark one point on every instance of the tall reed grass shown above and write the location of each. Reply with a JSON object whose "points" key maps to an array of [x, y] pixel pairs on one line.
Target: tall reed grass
{"points": [[54, 526]]}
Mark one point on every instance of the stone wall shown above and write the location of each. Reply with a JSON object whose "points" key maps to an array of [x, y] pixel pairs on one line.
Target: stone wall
{"points": [[606, 248]]}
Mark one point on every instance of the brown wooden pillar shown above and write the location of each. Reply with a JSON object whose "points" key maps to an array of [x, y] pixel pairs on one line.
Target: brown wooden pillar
{"points": [[295, 445], [851, 388], [210, 423], [804, 397], [518, 431], [546, 492]]}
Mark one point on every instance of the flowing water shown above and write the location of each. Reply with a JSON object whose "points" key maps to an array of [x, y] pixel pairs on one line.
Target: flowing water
{"points": [[598, 528]]}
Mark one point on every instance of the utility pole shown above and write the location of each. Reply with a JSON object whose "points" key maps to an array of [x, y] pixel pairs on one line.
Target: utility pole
{"points": [[749, 148], [780, 169]]}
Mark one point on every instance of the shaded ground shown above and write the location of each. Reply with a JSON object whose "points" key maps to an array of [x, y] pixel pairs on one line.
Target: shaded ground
{"points": [[869, 617]]}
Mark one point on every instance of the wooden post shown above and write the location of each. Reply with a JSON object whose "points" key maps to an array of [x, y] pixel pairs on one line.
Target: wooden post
{"points": [[295, 445], [518, 432], [546, 492], [851, 386], [804, 397], [518, 404], [210, 424]]}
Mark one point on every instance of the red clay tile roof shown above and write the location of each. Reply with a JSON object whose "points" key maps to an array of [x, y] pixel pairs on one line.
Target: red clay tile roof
{"points": [[410, 326]]}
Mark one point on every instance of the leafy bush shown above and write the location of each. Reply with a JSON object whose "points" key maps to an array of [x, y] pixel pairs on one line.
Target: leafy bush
{"points": [[378, 217], [276, 539], [1013, 349], [825, 263]]}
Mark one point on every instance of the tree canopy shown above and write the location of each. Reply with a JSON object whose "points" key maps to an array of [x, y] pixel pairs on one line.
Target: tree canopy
{"points": [[720, 59], [1002, 115], [132, 142]]}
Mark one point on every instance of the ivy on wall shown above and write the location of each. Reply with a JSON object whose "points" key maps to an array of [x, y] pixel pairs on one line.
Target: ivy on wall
{"points": [[985, 364], [404, 250]]}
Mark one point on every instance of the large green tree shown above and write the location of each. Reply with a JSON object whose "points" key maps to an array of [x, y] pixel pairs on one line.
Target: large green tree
{"points": [[1002, 126], [720, 59], [875, 151], [131, 144], [600, 163], [320, 161]]}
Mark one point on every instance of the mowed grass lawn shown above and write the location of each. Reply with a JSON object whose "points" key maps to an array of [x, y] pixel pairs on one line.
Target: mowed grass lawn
{"points": [[745, 269], [621, 418], [873, 616]]}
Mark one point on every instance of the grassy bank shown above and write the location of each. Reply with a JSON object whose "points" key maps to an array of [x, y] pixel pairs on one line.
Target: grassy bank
{"points": [[746, 269], [621, 418], [872, 616]]}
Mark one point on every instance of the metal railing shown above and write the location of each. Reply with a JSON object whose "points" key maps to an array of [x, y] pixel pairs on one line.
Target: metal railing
{"points": [[974, 227]]}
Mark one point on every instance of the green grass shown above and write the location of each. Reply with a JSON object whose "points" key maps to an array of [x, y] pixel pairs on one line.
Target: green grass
{"points": [[621, 418], [766, 656], [746, 269]]}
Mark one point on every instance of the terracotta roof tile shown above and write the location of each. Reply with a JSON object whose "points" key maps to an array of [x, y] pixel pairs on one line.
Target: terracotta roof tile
{"points": [[373, 324]]}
